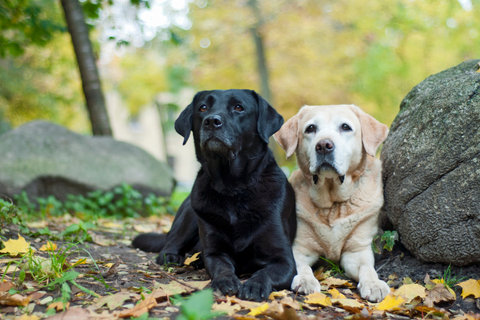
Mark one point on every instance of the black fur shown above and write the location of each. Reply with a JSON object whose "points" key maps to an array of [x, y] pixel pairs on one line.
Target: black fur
{"points": [[242, 208]]}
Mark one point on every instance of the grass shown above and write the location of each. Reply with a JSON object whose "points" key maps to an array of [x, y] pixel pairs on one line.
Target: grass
{"points": [[450, 280]]}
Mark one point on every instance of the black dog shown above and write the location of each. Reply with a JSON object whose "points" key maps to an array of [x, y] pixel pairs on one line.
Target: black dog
{"points": [[241, 207]]}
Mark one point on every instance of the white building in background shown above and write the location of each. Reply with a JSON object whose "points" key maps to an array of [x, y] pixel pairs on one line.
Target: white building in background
{"points": [[146, 132]]}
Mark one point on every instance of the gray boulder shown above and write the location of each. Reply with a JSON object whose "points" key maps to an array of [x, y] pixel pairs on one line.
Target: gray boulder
{"points": [[44, 159], [431, 167]]}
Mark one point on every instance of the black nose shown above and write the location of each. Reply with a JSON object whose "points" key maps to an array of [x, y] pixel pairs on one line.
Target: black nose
{"points": [[325, 146], [212, 122]]}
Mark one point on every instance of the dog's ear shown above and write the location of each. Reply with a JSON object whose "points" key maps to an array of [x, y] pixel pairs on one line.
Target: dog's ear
{"points": [[269, 120], [287, 136], [184, 122], [373, 132]]}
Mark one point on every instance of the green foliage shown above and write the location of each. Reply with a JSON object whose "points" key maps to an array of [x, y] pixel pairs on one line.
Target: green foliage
{"points": [[388, 237], [78, 232], [449, 280], [197, 307], [335, 268], [123, 201], [11, 214]]}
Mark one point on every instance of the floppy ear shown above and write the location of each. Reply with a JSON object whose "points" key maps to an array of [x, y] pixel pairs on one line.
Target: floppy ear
{"points": [[269, 120], [373, 132], [287, 136], [184, 122]]}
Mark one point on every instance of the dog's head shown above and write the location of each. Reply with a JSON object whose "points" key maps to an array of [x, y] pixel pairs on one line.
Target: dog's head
{"points": [[331, 141], [227, 122]]}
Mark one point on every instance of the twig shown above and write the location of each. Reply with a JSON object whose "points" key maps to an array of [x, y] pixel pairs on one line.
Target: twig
{"points": [[166, 274], [388, 261]]}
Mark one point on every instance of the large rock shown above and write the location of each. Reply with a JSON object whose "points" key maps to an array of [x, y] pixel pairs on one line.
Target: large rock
{"points": [[431, 167], [46, 159]]}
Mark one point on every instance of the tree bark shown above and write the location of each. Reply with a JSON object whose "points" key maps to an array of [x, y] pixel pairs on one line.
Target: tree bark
{"points": [[88, 69], [260, 52]]}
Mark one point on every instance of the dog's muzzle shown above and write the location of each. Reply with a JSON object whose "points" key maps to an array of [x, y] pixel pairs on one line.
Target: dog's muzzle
{"points": [[324, 150]]}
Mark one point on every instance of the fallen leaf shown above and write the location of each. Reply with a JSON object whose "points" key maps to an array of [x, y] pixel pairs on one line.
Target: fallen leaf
{"points": [[112, 302], [258, 310], [28, 317], [59, 306], [352, 303], [277, 294], [243, 303], [13, 300], [191, 259], [139, 309], [71, 314], [226, 307], [6, 285], [318, 298], [470, 287], [335, 282], [15, 247], [105, 315], [438, 294], [391, 302], [411, 291], [336, 294], [288, 301], [50, 246]]}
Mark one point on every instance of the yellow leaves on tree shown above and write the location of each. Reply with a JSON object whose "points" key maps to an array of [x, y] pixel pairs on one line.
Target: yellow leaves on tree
{"points": [[15, 247], [470, 287]]}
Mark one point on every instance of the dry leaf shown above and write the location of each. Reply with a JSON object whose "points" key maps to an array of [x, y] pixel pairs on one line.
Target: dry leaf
{"points": [[278, 294], [258, 310], [112, 302], [139, 309], [243, 303], [226, 307], [438, 294], [50, 246], [470, 287], [58, 306], [411, 291], [335, 282], [28, 317], [71, 314], [191, 259], [390, 303], [352, 303], [336, 294], [13, 300], [318, 298], [6, 285], [15, 247], [288, 301]]}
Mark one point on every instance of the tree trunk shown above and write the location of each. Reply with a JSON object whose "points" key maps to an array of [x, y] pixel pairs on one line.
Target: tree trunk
{"points": [[261, 60], [88, 69]]}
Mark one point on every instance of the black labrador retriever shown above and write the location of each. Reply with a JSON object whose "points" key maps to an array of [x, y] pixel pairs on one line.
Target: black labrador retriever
{"points": [[241, 208]]}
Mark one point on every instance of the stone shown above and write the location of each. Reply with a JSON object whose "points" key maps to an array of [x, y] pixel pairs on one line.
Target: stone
{"points": [[45, 159], [431, 167]]}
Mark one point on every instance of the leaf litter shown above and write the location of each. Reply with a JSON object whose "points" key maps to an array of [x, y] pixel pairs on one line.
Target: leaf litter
{"points": [[103, 286]]}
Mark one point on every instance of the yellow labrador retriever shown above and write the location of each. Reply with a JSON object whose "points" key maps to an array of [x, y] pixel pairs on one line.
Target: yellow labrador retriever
{"points": [[338, 190]]}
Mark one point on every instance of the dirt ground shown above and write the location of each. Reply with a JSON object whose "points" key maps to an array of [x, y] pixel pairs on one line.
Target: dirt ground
{"points": [[135, 270]]}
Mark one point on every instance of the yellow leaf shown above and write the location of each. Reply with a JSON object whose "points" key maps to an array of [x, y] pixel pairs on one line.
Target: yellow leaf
{"points": [[139, 309], [58, 306], [318, 298], [14, 247], [13, 300], [27, 317], [391, 303], [191, 259], [226, 307], [277, 294], [411, 291], [108, 265], [336, 294], [470, 287], [334, 282], [50, 246], [258, 310], [79, 262], [348, 303]]}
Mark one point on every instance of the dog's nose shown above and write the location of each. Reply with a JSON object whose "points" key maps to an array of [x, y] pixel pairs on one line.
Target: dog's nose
{"points": [[212, 122], [325, 146]]}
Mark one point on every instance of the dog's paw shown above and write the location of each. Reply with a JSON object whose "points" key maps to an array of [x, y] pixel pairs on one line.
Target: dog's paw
{"points": [[305, 284], [373, 290], [170, 259], [255, 290], [228, 285]]}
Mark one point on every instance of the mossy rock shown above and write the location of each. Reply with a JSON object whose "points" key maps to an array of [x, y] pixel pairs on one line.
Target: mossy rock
{"points": [[44, 159], [431, 167]]}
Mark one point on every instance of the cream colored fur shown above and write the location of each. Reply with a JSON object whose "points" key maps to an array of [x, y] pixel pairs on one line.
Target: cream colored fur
{"points": [[336, 220]]}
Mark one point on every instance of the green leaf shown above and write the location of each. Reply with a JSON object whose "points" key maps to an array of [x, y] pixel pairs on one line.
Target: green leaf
{"points": [[198, 306], [67, 276]]}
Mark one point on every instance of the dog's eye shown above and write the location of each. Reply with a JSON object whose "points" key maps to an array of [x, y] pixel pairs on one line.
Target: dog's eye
{"points": [[311, 128], [202, 108], [239, 108], [346, 127]]}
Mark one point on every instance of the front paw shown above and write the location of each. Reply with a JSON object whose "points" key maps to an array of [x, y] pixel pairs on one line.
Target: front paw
{"points": [[228, 285], [305, 284], [255, 290], [170, 259], [374, 290]]}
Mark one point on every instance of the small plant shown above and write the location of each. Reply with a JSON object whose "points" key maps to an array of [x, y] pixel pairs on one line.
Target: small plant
{"points": [[78, 232], [448, 280], [334, 267], [196, 307], [11, 214], [389, 237]]}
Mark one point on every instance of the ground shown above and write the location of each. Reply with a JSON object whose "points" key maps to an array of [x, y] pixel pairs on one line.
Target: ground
{"points": [[130, 277]]}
